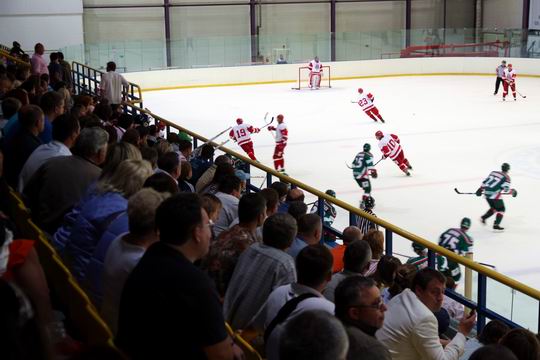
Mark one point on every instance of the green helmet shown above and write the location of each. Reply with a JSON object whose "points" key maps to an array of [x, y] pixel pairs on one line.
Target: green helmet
{"points": [[505, 167], [418, 248], [330, 192], [465, 223], [367, 147]]}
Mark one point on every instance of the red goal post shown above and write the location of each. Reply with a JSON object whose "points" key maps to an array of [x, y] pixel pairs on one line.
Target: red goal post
{"points": [[303, 78]]}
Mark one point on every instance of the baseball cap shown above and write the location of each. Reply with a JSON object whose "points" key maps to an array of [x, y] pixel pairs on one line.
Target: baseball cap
{"points": [[242, 175]]}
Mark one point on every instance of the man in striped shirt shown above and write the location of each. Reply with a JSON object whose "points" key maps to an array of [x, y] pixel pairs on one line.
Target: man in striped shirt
{"points": [[363, 223]]}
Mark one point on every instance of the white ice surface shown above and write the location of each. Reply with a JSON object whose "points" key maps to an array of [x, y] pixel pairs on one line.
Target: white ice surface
{"points": [[452, 129]]}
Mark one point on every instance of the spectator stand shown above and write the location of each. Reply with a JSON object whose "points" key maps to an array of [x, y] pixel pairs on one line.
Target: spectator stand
{"points": [[5, 57], [483, 273]]}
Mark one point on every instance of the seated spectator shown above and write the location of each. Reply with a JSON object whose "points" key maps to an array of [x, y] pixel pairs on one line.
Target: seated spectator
{"points": [[244, 177], [143, 136], [85, 105], [231, 243], [212, 205], [282, 190], [201, 162], [455, 309], [206, 177], [410, 328], [185, 148], [169, 164], [185, 175], [375, 239], [99, 208], [314, 335], [222, 170], [163, 147], [10, 107], [117, 153], [309, 233], [125, 251], [52, 104], [228, 193], [104, 112], [18, 148], [292, 195], [314, 270], [153, 135], [64, 134], [360, 308], [387, 269], [132, 137], [403, 280], [272, 201], [355, 261], [260, 269], [150, 154], [492, 332], [296, 209], [350, 234], [494, 351], [522, 343], [364, 224], [162, 182], [180, 305], [61, 182], [125, 122]]}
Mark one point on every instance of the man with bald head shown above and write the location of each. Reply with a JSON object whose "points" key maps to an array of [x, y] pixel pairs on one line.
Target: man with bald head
{"points": [[292, 195], [350, 234]]}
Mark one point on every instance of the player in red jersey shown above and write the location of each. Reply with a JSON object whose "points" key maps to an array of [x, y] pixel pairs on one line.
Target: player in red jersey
{"points": [[366, 103], [241, 133], [281, 142], [391, 148], [509, 80]]}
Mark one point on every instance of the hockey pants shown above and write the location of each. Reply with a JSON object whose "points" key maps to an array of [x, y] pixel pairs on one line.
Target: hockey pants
{"points": [[248, 148], [279, 161], [512, 86], [496, 206], [402, 162], [373, 113], [315, 79]]}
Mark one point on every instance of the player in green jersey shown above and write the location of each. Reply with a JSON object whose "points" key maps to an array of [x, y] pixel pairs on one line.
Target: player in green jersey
{"points": [[362, 167], [493, 187], [458, 241], [421, 261]]}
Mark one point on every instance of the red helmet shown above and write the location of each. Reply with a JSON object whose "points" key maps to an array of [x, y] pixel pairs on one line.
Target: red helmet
{"points": [[239, 121], [379, 134], [509, 65], [360, 90]]}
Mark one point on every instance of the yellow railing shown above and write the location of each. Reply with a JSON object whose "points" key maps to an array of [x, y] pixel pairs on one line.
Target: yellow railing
{"points": [[5, 54], [490, 273]]}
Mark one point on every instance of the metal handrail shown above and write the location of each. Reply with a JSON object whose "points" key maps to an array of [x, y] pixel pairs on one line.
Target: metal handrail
{"points": [[490, 273]]}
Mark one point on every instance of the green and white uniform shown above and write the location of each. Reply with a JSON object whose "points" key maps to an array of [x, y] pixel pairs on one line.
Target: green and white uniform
{"points": [[362, 166], [496, 184], [421, 262], [458, 241]]}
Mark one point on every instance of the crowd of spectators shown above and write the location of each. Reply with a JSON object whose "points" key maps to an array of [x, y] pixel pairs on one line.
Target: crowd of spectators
{"points": [[170, 245]]}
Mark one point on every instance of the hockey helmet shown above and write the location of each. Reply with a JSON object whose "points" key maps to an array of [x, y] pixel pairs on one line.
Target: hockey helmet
{"points": [[279, 118], [509, 65], [369, 202], [505, 167], [465, 223], [418, 248], [379, 134], [367, 147], [360, 90], [239, 121], [330, 192]]}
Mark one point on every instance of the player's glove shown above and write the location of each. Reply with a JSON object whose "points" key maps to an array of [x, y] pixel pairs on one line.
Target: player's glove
{"points": [[271, 128], [479, 192], [514, 192], [374, 173], [256, 130]]}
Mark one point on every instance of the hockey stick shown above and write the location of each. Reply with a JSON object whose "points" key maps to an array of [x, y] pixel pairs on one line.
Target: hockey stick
{"points": [[381, 159], [520, 94], [350, 167], [474, 193], [268, 124], [353, 102]]}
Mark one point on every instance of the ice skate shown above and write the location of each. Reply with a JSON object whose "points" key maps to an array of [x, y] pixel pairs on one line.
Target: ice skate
{"points": [[483, 221], [498, 228]]}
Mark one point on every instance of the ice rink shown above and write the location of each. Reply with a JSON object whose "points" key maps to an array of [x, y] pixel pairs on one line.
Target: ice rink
{"points": [[453, 130]]}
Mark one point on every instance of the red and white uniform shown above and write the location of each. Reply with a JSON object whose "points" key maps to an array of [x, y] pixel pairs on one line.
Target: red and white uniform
{"points": [[315, 73], [509, 80], [282, 135], [241, 133], [366, 103], [391, 148]]}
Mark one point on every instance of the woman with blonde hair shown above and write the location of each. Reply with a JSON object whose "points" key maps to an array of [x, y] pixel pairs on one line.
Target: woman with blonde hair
{"points": [[375, 239], [97, 211]]}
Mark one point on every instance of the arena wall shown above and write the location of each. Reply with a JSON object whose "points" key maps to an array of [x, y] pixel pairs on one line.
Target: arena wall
{"points": [[264, 74]]}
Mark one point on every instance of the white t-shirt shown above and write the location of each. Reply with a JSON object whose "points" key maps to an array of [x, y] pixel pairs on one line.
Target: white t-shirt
{"points": [[121, 258], [111, 86]]}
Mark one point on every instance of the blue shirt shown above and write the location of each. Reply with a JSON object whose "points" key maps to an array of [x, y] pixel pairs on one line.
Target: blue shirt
{"points": [[296, 246], [46, 134]]}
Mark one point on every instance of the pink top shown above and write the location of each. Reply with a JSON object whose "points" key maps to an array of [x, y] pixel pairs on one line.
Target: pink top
{"points": [[39, 66]]}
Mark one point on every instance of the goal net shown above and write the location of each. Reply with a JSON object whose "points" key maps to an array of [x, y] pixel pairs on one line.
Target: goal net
{"points": [[303, 78]]}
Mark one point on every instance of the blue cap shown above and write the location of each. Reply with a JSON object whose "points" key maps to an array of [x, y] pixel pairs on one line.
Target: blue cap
{"points": [[242, 175]]}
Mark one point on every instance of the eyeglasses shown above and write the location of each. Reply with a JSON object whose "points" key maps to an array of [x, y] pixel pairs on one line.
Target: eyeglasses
{"points": [[378, 306]]}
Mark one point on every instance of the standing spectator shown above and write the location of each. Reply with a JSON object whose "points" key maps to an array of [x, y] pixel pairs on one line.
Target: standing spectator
{"points": [[66, 70], [168, 307], [113, 85], [229, 190], [52, 104], [356, 260], [360, 308], [492, 332], [350, 234], [364, 224], [314, 269], [125, 251], [39, 66], [61, 182], [16, 50], [64, 135], [55, 69], [314, 335], [18, 148], [375, 239], [309, 233], [260, 269], [499, 71], [410, 327]]}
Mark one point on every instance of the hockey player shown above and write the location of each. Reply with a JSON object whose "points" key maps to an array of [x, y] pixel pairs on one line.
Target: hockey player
{"points": [[390, 147], [458, 241], [281, 142], [509, 81], [315, 73], [366, 103], [241, 134], [421, 261], [493, 187], [362, 167]]}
